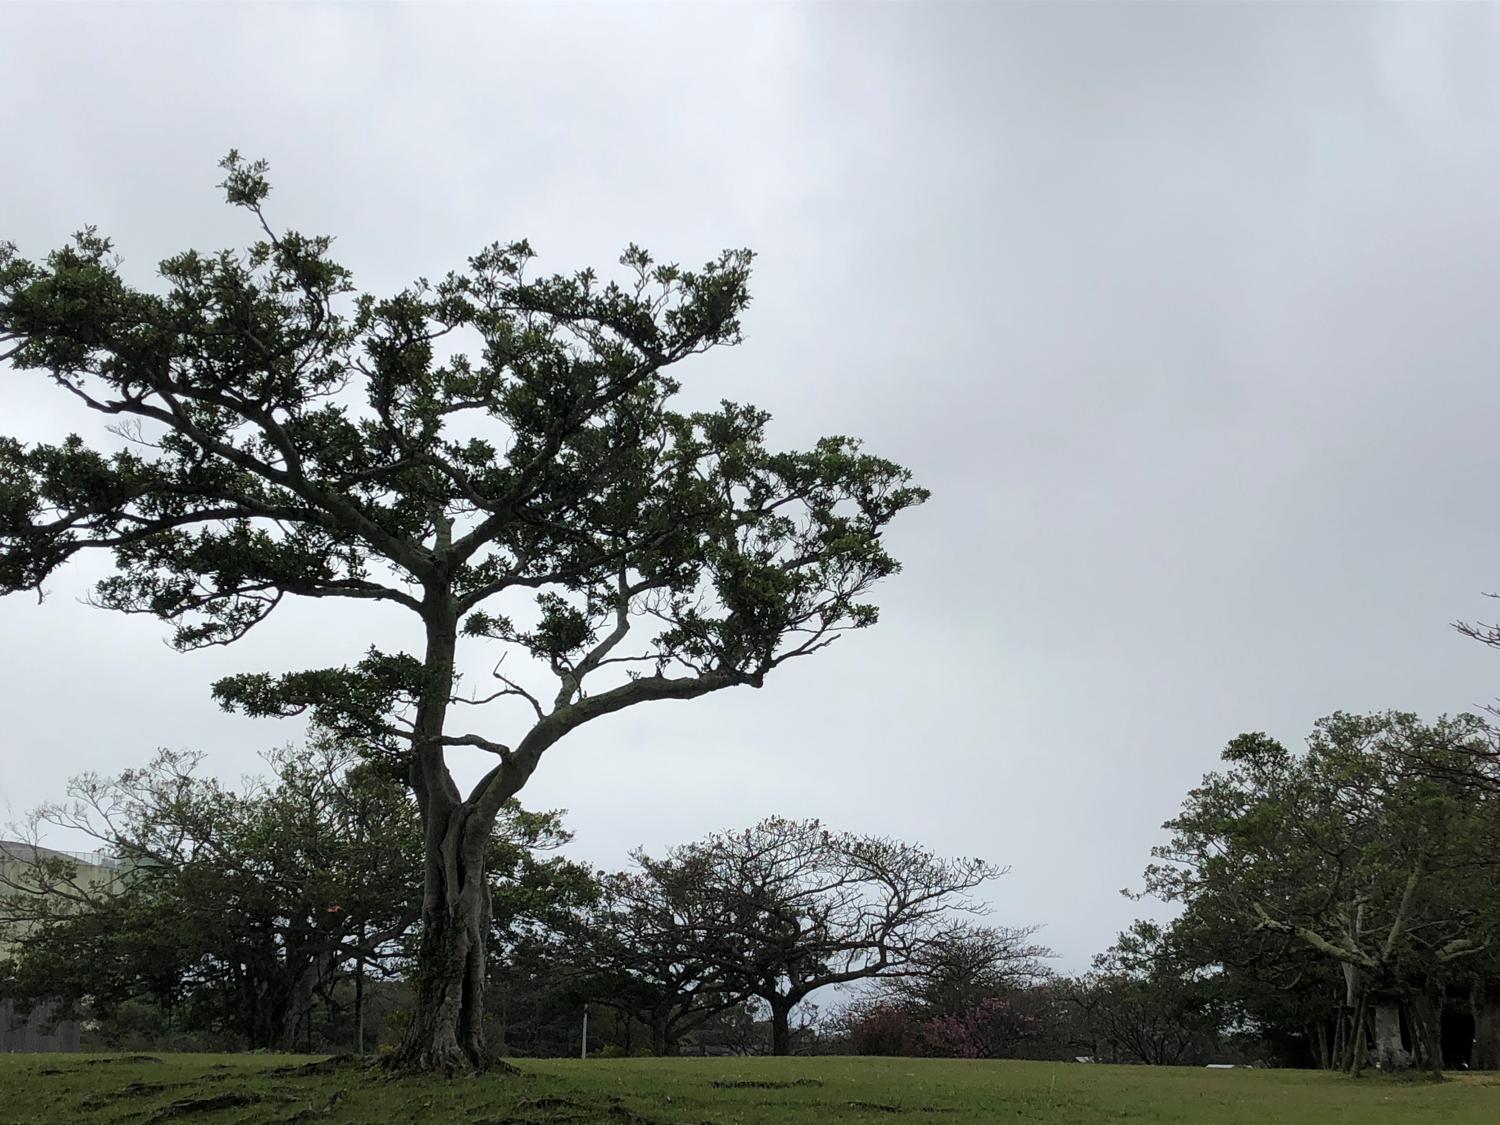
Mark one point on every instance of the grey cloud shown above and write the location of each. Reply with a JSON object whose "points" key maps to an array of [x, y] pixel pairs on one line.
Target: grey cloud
{"points": [[1184, 312]]}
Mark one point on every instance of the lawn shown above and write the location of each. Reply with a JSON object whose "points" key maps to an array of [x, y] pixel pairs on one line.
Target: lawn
{"points": [[262, 1089]]}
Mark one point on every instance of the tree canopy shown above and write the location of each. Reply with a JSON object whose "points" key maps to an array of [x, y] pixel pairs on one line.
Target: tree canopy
{"points": [[231, 909], [1359, 855]]}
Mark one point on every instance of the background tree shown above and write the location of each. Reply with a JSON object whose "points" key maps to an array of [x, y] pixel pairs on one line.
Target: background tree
{"points": [[1364, 859], [977, 991], [1281, 996], [639, 952], [969, 964], [285, 437], [1142, 1003], [787, 907], [235, 910], [537, 897]]}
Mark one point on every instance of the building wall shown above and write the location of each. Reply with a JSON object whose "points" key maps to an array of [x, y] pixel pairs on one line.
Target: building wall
{"points": [[37, 1031]]}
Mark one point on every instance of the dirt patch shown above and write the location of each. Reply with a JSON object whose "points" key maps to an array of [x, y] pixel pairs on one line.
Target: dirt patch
{"points": [[758, 1084], [130, 1090], [885, 1107], [123, 1059], [232, 1100], [329, 1065], [544, 1111]]}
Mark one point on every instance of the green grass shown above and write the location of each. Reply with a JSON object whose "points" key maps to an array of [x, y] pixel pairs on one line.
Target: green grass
{"points": [[262, 1090]]}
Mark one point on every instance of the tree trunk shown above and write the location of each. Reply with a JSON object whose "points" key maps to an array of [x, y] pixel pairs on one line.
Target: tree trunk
{"points": [[1486, 1052], [1356, 1042], [781, 1027], [446, 1033], [658, 1035], [299, 1001], [1429, 1013], [1390, 1055]]}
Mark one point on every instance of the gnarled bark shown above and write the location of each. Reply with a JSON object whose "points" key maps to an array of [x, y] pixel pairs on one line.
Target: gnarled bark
{"points": [[446, 1033], [1389, 1054]]}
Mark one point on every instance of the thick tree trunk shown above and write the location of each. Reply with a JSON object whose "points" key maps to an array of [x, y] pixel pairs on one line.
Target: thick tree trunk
{"points": [[1349, 1015], [1390, 1055], [1486, 1053], [446, 1033], [781, 1027]]}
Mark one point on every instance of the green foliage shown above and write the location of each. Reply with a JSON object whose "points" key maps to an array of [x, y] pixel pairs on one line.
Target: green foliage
{"points": [[484, 436], [1357, 857], [233, 910], [1146, 1000]]}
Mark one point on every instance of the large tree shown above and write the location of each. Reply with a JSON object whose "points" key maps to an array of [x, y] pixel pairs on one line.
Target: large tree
{"points": [[451, 450]]}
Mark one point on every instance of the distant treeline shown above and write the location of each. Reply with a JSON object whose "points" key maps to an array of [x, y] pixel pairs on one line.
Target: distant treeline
{"points": [[1337, 908]]}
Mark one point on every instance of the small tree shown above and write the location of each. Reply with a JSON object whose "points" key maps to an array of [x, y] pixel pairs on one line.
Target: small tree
{"points": [[1146, 1004], [972, 964], [290, 438], [787, 907], [972, 992]]}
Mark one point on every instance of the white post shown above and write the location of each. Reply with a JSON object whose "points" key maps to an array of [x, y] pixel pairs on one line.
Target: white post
{"points": [[583, 1050]]}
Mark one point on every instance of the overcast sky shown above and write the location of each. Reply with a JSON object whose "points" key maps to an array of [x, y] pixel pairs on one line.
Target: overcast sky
{"points": [[1186, 314]]}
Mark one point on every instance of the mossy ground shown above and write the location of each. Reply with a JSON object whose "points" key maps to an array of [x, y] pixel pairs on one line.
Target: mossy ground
{"points": [[271, 1090]]}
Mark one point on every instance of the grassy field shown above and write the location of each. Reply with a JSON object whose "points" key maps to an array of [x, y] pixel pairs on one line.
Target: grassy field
{"points": [[261, 1090]]}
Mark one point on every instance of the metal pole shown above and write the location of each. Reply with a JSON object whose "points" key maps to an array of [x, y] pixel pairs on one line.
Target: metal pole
{"points": [[359, 1002], [583, 1050]]}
